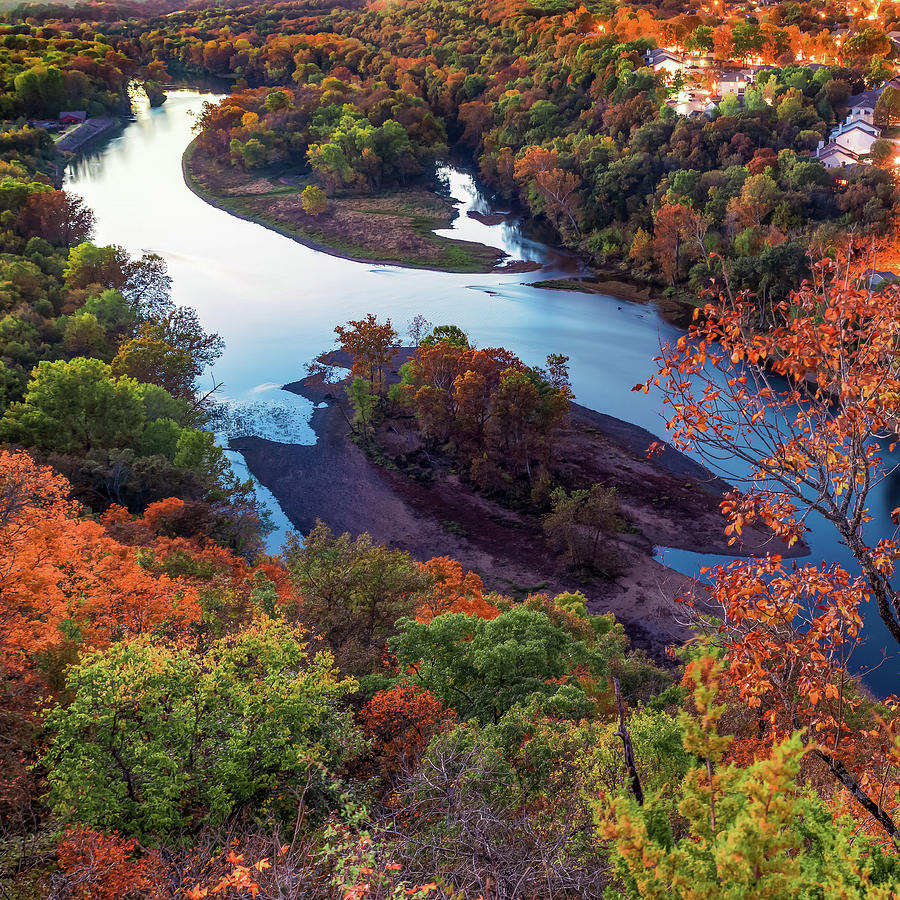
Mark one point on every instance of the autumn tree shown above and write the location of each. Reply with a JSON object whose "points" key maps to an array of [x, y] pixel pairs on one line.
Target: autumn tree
{"points": [[402, 720], [98, 866], [679, 235], [788, 634], [67, 583], [833, 346], [452, 590], [60, 218], [556, 187], [495, 411], [371, 346], [801, 406]]}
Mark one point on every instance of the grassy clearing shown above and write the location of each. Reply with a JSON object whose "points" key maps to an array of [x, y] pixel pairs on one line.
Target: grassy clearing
{"points": [[394, 227]]}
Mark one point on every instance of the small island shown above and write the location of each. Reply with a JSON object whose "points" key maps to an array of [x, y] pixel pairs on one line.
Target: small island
{"points": [[576, 502]]}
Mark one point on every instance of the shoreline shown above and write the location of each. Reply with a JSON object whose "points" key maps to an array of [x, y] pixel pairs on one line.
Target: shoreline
{"points": [[193, 184], [616, 284], [609, 283]]}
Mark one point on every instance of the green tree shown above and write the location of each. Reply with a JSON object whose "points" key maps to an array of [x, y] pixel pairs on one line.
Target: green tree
{"points": [[482, 667], [277, 101], [364, 403], [730, 105], [580, 523], [199, 452], [883, 154], [83, 335], [887, 111], [112, 311], [154, 361], [89, 265], [160, 438], [353, 592], [158, 739], [314, 200], [41, 90], [748, 832], [450, 334], [74, 407]]}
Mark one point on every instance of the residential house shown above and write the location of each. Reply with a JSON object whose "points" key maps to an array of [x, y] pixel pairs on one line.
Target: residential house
{"points": [[833, 156], [856, 135], [72, 117], [665, 60], [733, 82], [862, 106]]}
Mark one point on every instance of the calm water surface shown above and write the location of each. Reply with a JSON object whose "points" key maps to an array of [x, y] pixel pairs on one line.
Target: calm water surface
{"points": [[276, 302]]}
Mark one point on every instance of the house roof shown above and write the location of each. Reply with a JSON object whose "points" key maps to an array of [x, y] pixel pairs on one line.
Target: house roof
{"points": [[856, 125], [655, 57], [865, 100], [832, 149], [735, 76], [877, 279]]}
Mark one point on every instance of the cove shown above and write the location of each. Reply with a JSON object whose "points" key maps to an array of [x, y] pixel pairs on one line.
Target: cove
{"points": [[276, 302]]}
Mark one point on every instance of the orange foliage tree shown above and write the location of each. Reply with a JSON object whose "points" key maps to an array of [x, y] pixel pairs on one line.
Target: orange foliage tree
{"points": [[495, 410], [453, 591], [100, 866], [789, 634], [557, 188], [401, 721], [64, 579], [371, 345], [802, 406]]}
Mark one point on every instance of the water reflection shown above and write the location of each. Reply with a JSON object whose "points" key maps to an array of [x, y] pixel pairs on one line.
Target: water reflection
{"points": [[507, 234]]}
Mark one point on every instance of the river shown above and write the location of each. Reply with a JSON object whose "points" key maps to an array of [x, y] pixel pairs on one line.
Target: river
{"points": [[276, 302]]}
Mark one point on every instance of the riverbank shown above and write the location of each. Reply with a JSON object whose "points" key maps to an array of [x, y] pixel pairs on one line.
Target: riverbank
{"points": [[394, 228], [678, 310], [669, 501]]}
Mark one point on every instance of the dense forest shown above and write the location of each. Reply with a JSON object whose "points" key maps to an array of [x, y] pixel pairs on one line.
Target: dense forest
{"points": [[184, 715]]}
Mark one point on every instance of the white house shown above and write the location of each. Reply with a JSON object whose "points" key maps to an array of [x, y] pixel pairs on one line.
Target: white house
{"points": [[833, 156], [733, 83], [665, 60], [856, 136]]}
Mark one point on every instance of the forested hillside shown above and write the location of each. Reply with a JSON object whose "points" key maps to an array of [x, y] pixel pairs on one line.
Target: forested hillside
{"points": [[183, 715]]}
